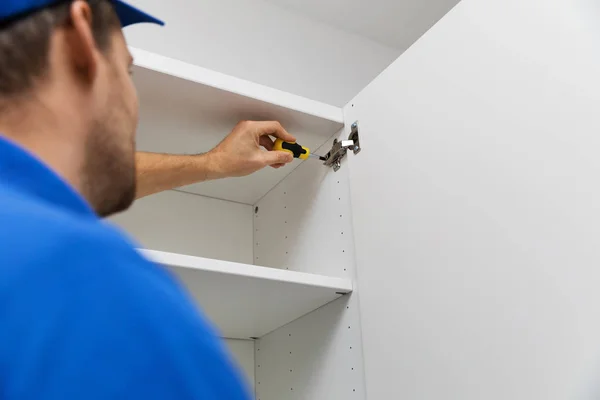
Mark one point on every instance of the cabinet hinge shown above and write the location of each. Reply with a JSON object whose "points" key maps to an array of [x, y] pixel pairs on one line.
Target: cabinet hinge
{"points": [[340, 147]]}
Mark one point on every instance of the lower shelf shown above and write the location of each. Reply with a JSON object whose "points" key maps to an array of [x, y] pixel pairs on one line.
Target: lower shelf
{"points": [[247, 301]]}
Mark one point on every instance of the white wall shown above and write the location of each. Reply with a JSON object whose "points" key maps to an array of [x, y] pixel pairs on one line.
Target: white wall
{"points": [[263, 43], [476, 203]]}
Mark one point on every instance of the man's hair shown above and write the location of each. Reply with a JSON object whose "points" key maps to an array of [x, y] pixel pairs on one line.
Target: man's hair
{"points": [[25, 43]]}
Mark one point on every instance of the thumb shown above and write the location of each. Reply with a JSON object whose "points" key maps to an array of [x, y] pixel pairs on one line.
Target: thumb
{"points": [[277, 157]]}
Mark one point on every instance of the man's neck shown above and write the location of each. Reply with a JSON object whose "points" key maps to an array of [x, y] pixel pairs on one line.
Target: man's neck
{"points": [[49, 136]]}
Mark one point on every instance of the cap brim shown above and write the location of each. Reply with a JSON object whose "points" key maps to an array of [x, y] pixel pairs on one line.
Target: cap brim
{"points": [[129, 15]]}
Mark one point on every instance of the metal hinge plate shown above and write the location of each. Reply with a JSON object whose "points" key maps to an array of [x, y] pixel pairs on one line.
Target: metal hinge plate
{"points": [[339, 149]]}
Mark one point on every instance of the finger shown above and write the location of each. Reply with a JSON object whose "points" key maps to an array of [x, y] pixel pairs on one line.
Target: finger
{"points": [[274, 128], [277, 157], [276, 166], [266, 142]]}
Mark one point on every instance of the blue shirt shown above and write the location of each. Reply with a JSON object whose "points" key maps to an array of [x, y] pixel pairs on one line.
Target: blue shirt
{"points": [[82, 314]]}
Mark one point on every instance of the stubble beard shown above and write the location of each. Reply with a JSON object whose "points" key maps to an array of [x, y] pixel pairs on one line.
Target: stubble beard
{"points": [[108, 174]]}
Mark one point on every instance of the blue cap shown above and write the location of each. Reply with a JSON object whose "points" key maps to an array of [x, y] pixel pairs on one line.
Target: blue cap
{"points": [[128, 15]]}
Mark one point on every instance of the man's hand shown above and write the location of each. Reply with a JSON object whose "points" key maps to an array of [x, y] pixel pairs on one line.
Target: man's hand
{"points": [[239, 154]]}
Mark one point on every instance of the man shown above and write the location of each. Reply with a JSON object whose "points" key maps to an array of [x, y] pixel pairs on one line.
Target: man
{"points": [[82, 315]]}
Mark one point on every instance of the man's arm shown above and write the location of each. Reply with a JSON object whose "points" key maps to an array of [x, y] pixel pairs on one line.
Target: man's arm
{"points": [[239, 154]]}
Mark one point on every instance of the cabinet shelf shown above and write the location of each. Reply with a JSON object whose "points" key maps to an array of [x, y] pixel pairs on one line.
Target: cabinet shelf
{"points": [[247, 301], [189, 109]]}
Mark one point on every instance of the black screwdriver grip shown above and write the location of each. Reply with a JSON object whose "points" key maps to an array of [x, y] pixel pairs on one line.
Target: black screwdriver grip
{"points": [[294, 148]]}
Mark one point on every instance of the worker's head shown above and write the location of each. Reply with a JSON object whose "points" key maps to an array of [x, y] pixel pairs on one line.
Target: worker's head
{"points": [[67, 63]]}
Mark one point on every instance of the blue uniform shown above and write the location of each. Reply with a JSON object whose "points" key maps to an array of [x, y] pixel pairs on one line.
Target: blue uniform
{"points": [[82, 314]]}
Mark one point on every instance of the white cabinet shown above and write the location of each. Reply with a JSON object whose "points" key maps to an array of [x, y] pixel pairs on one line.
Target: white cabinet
{"points": [[456, 256], [270, 257]]}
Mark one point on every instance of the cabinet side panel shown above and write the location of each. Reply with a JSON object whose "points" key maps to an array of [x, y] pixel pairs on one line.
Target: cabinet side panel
{"points": [[316, 357], [193, 225], [305, 224], [476, 208]]}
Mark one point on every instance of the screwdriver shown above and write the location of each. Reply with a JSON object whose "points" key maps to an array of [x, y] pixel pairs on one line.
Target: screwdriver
{"points": [[297, 150]]}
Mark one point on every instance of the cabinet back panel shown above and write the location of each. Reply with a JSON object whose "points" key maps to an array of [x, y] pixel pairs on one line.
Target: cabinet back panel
{"points": [[243, 354], [193, 225], [304, 223], [242, 37]]}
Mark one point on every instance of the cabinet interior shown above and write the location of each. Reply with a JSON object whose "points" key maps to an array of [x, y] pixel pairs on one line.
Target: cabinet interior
{"points": [[257, 252]]}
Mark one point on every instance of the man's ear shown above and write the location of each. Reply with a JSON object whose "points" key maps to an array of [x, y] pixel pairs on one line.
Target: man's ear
{"points": [[82, 46]]}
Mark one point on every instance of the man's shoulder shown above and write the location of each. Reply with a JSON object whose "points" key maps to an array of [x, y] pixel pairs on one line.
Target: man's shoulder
{"points": [[68, 277], [35, 236], [27, 224], [45, 250]]}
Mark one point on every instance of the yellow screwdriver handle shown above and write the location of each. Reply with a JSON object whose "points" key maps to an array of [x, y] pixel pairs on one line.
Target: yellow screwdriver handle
{"points": [[297, 151]]}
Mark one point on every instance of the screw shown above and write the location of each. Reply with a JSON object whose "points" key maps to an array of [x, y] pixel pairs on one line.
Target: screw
{"points": [[256, 210]]}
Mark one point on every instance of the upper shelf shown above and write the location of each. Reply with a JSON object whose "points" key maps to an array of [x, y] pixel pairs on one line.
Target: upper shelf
{"points": [[188, 109], [235, 90], [247, 301]]}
